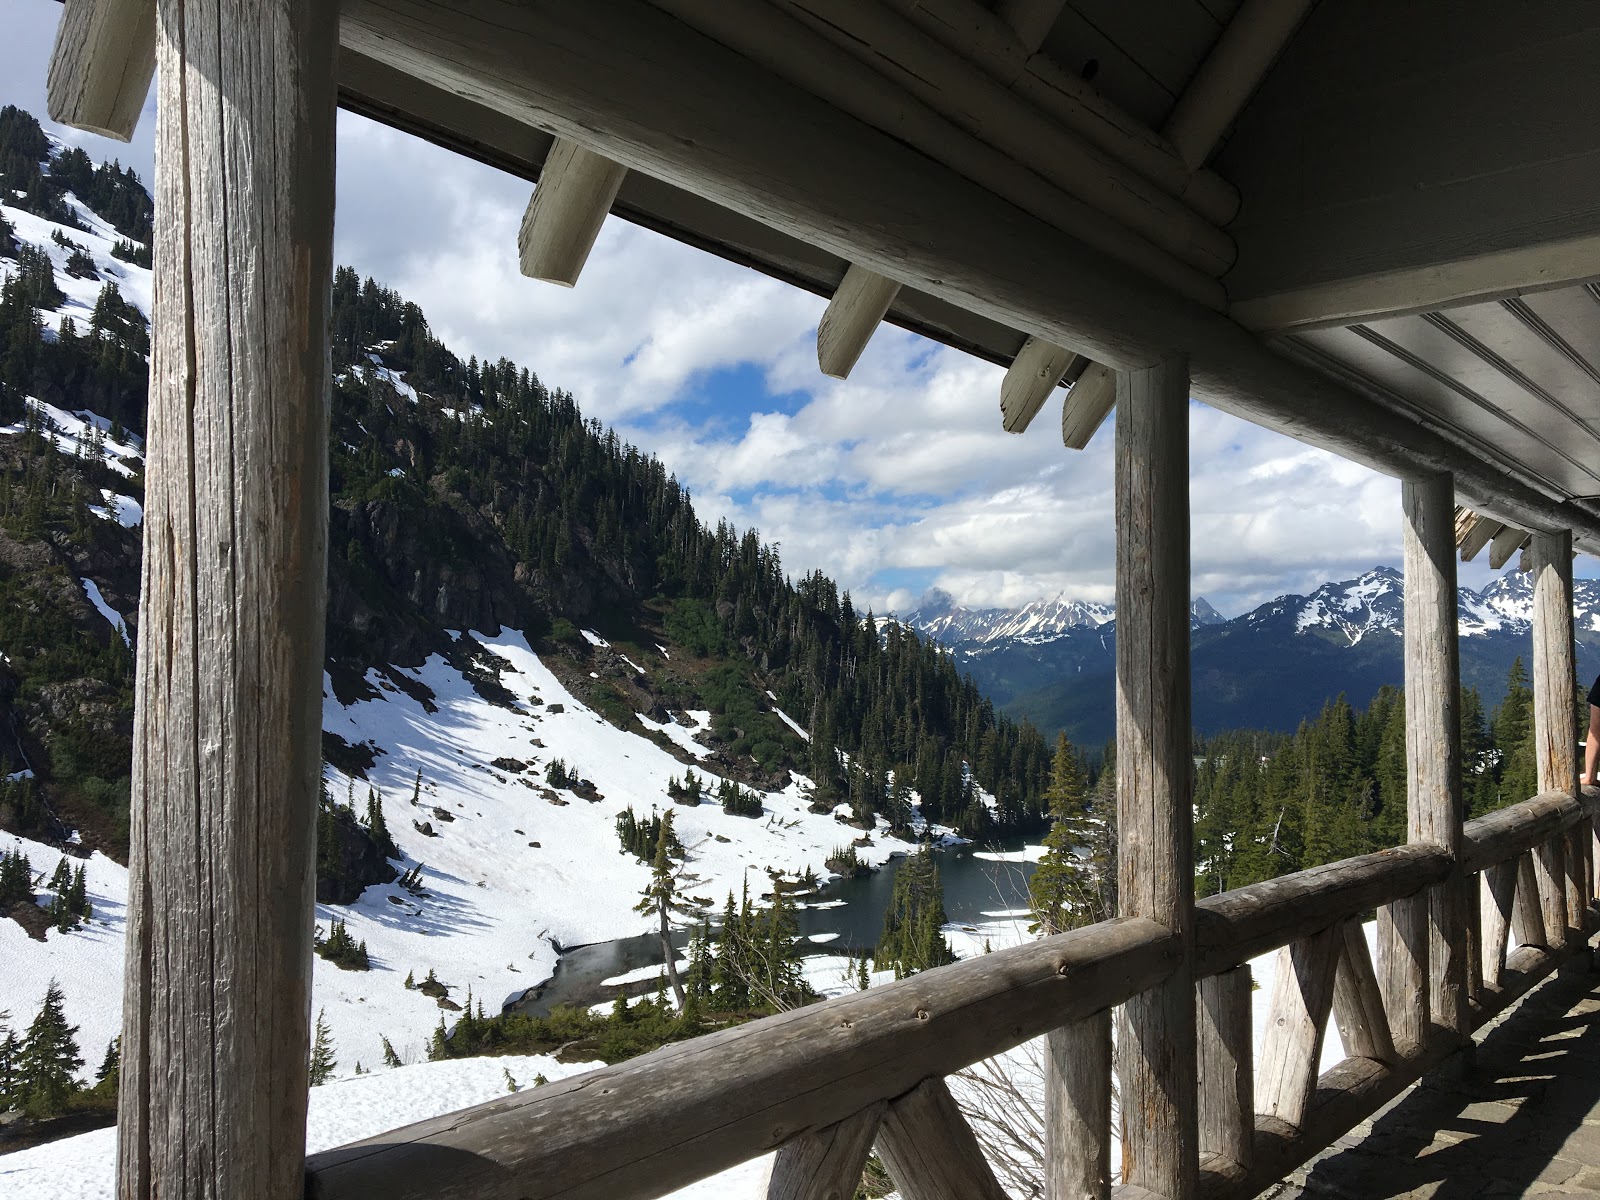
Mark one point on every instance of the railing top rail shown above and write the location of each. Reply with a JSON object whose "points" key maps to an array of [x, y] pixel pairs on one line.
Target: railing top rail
{"points": [[1504, 834], [659, 1122]]}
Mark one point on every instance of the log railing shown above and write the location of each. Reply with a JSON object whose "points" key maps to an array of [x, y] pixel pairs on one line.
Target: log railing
{"points": [[822, 1084]]}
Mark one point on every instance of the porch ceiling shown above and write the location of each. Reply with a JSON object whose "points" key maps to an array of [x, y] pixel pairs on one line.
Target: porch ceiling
{"points": [[1418, 191]]}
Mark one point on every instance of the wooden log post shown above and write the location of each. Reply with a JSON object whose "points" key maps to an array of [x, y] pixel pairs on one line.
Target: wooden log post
{"points": [[1499, 888], [825, 1164], [1077, 1110], [1555, 733], [576, 190], [1527, 912], [1425, 977], [931, 1151], [1156, 1047], [227, 746], [1357, 1002], [1226, 1067], [1302, 997]]}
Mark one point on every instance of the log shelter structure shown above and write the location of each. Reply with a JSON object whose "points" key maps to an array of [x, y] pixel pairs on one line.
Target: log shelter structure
{"points": [[1372, 226]]}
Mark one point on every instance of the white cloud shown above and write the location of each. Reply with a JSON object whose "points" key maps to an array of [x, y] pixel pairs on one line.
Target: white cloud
{"points": [[898, 478]]}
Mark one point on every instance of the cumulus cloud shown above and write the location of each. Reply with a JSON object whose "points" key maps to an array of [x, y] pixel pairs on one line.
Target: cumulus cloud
{"points": [[893, 481]]}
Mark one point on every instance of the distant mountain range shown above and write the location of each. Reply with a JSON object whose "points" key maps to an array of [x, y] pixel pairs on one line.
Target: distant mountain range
{"points": [[1053, 661]]}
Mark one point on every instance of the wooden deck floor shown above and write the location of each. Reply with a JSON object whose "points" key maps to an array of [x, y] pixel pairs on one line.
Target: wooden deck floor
{"points": [[1523, 1121]]}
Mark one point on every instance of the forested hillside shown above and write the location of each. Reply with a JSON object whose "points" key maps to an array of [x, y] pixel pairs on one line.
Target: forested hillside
{"points": [[466, 496], [1267, 803]]}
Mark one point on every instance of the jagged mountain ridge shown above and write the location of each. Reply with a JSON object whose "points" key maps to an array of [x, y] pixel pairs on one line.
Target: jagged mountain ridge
{"points": [[1267, 668]]}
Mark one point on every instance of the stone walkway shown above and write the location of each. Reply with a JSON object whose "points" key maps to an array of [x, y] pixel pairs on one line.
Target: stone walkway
{"points": [[1524, 1120]]}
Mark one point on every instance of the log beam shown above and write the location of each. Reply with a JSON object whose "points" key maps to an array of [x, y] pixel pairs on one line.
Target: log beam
{"points": [[1156, 1049], [227, 765], [1032, 376], [1030, 20], [1433, 734], [1089, 403], [1504, 544], [1243, 55], [575, 192], [102, 64], [1479, 534], [858, 305]]}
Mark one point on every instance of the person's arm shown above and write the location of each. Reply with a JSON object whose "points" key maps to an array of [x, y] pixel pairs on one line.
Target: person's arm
{"points": [[1591, 753]]}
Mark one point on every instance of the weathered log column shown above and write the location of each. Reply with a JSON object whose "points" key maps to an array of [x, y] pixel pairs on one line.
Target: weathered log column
{"points": [[1156, 1046], [1423, 940], [1555, 733], [227, 743]]}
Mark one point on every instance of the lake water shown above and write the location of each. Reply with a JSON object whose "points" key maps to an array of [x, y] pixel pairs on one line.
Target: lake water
{"points": [[973, 887]]}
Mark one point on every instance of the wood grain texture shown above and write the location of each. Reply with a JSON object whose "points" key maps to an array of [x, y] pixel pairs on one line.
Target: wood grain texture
{"points": [[972, 30], [653, 1124], [1433, 729], [1550, 882], [1553, 669], [1297, 1020], [853, 314], [575, 192], [1499, 891], [227, 760], [1507, 833], [1236, 926], [1578, 839], [1077, 1110], [1527, 912], [1036, 371], [953, 85], [1241, 57], [930, 1150], [1156, 1047], [1226, 1066], [803, 50], [826, 1164], [1403, 935], [100, 69], [1357, 1000], [1088, 404]]}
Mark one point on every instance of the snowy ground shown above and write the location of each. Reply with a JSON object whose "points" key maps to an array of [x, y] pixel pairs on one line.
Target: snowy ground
{"points": [[494, 906]]}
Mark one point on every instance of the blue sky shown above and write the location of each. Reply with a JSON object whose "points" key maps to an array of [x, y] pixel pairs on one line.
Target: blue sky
{"points": [[895, 481]]}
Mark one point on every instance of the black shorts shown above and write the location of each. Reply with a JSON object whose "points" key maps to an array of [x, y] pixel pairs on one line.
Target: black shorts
{"points": [[1594, 693]]}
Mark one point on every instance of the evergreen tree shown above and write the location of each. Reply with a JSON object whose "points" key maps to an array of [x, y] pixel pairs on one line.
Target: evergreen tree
{"points": [[390, 1058], [913, 937], [323, 1061], [49, 1060], [663, 899], [1061, 889]]}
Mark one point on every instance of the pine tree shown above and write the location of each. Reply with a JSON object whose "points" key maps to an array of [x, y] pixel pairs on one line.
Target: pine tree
{"points": [[109, 1076], [49, 1059], [390, 1058], [12, 1093], [913, 938], [1061, 889], [662, 899], [323, 1062]]}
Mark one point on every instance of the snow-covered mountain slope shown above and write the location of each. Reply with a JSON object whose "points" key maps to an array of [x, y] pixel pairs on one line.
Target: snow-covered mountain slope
{"points": [[941, 618], [1268, 668], [512, 871]]}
